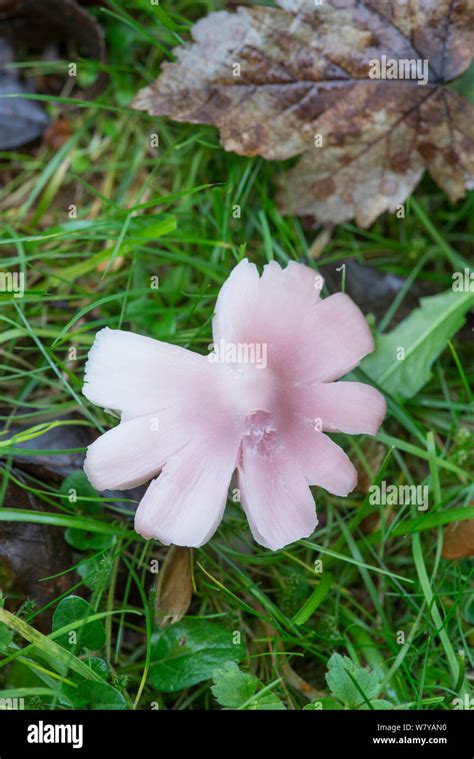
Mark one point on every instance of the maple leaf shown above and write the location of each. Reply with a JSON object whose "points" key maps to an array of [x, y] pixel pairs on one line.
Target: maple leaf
{"points": [[305, 78]]}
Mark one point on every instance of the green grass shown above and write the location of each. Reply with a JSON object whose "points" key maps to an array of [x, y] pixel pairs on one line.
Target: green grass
{"points": [[386, 598]]}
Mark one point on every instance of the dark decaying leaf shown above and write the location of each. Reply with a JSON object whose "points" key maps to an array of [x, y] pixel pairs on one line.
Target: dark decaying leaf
{"points": [[37, 23], [60, 453], [458, 540], [175, 586], [21, 120], [33, 26], [272, 78], [31, 552], [45, 463], [372, 289]]}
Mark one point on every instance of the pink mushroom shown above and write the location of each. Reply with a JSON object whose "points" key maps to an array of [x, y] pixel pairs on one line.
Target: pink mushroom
{"points": [[259, 403]]}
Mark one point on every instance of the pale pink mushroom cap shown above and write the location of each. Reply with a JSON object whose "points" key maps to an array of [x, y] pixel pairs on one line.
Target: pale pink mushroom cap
{"points": [[194, 421]]}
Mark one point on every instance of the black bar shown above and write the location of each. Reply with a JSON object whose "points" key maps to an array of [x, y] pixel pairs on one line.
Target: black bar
{"points": [[304, 733]]}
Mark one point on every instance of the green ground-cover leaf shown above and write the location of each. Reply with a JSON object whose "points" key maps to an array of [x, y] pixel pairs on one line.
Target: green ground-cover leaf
{"points": [[6, 637], [232, 687], [351, 684], [235, 689], [44, 647], [75, 489], [421, 337], [188, 652], [90, 635], [100, 696]]}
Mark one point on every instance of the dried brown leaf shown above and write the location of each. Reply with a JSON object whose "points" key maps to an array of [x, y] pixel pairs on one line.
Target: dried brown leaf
{"points": [[175, 587], [57, 133], [304, 70], [458, 540], [374, 453], [30, 553]]}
